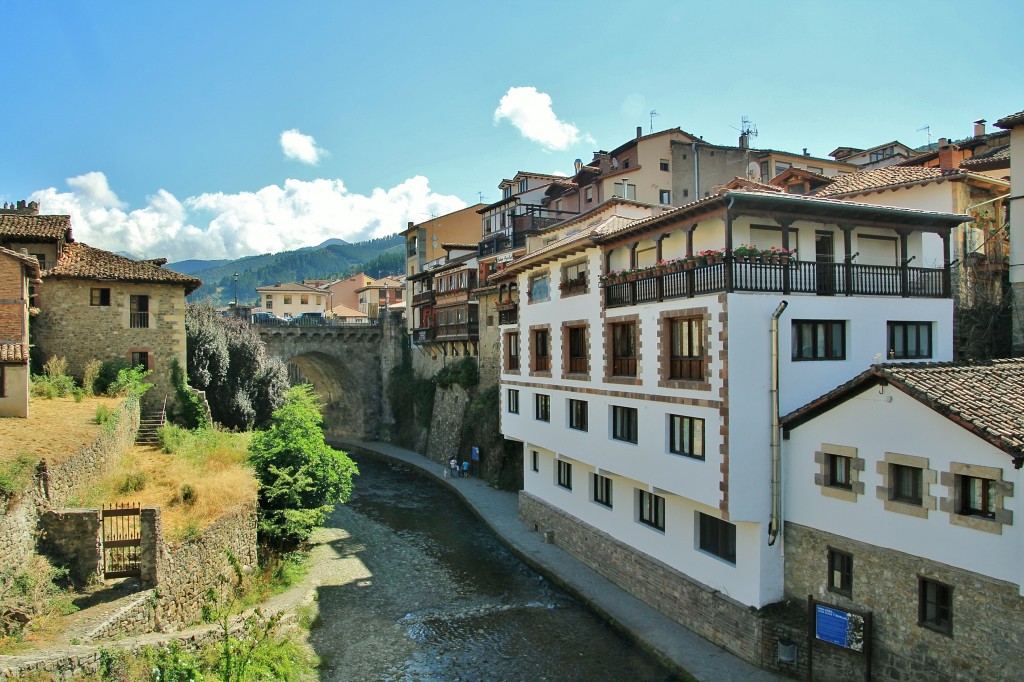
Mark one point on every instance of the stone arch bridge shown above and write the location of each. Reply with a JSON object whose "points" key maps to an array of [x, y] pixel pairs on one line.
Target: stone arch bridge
{"points": [[348, 365]]}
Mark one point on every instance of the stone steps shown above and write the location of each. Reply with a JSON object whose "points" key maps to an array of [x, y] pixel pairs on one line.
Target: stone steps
{"points": [[148, 425]]}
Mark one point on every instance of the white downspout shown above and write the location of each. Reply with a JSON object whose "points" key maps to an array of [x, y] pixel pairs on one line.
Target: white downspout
{"points": [[776, 517]]}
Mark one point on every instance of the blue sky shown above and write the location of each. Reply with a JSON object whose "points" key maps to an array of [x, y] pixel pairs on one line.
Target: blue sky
{"points": [[222, 129]]}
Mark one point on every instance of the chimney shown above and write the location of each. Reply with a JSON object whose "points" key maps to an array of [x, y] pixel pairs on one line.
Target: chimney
{"points": [[639, 131], [946, 154], [979, 127], [744, 141], [806, 153]]}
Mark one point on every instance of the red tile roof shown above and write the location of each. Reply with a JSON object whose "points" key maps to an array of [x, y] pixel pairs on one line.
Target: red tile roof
{"points": [[85, 262], [34, 227], [1011, 121], [880, 178], [986, 398], [998, 158], [29, 261], [14, 352]]}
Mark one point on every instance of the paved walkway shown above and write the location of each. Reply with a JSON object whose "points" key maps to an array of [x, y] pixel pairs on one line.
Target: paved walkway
{"points": [[673, 644]]}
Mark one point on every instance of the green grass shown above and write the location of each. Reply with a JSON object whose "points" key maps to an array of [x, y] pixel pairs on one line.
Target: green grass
{"points": [[16, 474]]}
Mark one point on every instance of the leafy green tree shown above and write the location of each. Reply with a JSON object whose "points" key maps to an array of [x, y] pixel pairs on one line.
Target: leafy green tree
{"points": [[301, 477], [227, 359]]}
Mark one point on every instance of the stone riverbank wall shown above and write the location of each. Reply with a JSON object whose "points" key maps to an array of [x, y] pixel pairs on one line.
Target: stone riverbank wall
{"points": [[55, 485]]}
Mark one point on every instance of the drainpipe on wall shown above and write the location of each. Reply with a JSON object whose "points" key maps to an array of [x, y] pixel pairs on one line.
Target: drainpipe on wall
{"points": [[696, 171], [776, 518]]}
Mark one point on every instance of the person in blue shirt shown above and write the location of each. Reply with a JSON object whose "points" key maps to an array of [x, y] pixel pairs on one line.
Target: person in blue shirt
{"points": [[465, 469]]}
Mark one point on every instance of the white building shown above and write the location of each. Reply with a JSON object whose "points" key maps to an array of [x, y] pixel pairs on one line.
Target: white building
{"points": [[902, 499], [644, 407]]}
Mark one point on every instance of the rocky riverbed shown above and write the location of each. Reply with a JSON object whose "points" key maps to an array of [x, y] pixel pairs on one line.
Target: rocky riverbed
{"points": [[414, 587]]}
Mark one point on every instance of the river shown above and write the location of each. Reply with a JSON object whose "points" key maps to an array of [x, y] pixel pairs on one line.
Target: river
{"points": [[430, 594]]}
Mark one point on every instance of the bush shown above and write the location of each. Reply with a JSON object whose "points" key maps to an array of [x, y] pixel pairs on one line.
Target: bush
{"points": [[133, 482], [107, 374], [193, 411], [188, 495], [129, 383], [172, 438], [103, 414], [90, 375], [301, 477], [54, 381], [16, 474], [464, 373]]}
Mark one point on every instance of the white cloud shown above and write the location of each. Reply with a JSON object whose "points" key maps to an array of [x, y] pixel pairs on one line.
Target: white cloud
{"points": [[217, 225], [300, 147], [531, 113]]}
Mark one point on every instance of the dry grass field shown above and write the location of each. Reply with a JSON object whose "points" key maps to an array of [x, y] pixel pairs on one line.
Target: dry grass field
{"points": [[54, 429]]}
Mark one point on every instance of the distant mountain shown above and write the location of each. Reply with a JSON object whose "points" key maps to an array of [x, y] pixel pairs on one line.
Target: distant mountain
{"points": [[189, 267], [376, 257], [324, 244]]}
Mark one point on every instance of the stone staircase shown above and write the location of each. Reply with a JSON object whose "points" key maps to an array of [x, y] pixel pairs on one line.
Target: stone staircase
{"points": [[149, 422]]}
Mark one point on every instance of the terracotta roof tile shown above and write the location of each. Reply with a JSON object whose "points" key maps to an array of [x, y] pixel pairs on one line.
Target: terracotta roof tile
{"points": [[29, 261], [879, 178], [83, 261], [997, 156], [35, 226], [986, 398], [13, 352], [1011, 121]]}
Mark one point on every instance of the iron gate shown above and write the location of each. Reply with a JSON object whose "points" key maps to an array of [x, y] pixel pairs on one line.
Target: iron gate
{"points": [[122, 541]]}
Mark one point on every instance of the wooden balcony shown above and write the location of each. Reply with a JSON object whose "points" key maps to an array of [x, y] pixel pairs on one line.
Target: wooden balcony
{"points": [[802, 277], [423, 297], [457, 332]]}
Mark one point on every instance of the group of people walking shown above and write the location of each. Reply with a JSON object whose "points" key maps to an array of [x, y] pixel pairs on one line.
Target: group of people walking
{"points": [[454, 470]]}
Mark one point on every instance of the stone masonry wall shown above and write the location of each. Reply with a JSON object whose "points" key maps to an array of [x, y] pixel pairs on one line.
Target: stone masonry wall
{"points": [[55, 486], [489, 357], [69, 326], [75, 537], [707, 612], [60, 482], [446, 426], [987, 639]]}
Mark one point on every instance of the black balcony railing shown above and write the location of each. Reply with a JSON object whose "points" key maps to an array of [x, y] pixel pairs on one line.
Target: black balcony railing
{"points": [[499, 242], [423, 297], [809, 277], [508, 316], [138, 320]]}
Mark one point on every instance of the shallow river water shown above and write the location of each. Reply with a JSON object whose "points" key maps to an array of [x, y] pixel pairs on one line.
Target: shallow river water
{"points": [[430, 594]]}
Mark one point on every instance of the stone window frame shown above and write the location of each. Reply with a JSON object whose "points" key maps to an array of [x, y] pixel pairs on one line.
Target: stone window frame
{"points": [[563, 272], [609, 350], [566, 349], [886, 491], [534, 328], [952, 502], [506, 355], [141, 349], [664, 349], [540, 274], [97, 299], [822, 478]]}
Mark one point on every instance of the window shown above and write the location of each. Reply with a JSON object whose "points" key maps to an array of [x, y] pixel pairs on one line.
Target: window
{"points": [[140, 358], [686, 436], [885, 153], [686, 360], [717, 537], [781, 167], [512, 400], [602, 489], [139, 312], [624, 349], [764, 172], [578, 414], [977, 497], [288, 300], [512, 351], [99, 296], [663, 164], [906, 484], [578, 357], [652, 509], [542, 407], [819, 340], [304, 299], [935, 606], [523, 185], [506, 191], [319, 298], [270, 303], [624, 190], [534, 461], [564, 474], [574, 277], [840, 572], [910, 339], [624, 423], [541, 351], [839, 474], [539, 288], [814, 169], [3, 383], [589, 193], [665, 196]]}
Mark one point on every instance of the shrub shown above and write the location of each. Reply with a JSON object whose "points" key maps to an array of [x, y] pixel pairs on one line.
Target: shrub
{"points": [[107, 374], [129, 383], [193, 411], [54, 381], [16, 474], [90, 375], [133, 482], [172, 438], [103, 414], [464, 373], [55, 367], [188, 495], [78, 393], [301, 477]]}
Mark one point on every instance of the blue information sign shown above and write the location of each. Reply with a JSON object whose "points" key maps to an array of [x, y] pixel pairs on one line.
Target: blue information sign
{"points": [[839, 627], [476, 454]]}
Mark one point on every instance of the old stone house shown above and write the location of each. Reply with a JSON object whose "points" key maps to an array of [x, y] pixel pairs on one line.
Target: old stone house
{"points": [[18, 272], [915, 519], [97, 305]]}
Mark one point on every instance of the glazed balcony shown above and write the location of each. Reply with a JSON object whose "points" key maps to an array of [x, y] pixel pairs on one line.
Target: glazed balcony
{"points": [[460, 331], [801, 277], [500, 242]]}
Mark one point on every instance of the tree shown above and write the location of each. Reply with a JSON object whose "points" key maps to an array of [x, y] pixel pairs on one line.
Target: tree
{"points": [[301, 477], [227, 359]]}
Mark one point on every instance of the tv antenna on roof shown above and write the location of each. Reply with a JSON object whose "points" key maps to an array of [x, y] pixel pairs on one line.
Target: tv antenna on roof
{"points": [[928, 129], [654, 112], [746, 127], [480, 196]]}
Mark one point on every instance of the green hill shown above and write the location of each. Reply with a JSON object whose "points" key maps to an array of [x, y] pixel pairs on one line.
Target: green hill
{"points": [[375, 257]]}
